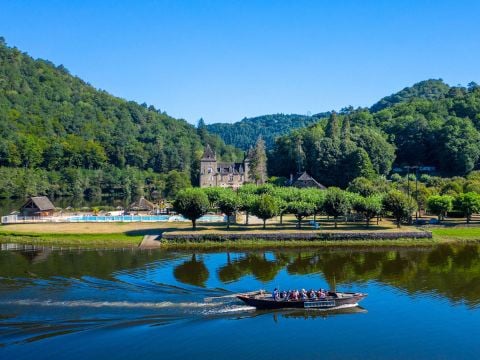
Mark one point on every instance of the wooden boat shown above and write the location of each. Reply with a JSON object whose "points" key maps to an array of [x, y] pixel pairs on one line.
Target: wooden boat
{"points": [[261, 300]]}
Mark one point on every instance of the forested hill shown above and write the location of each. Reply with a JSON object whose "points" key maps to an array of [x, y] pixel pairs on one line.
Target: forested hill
{"points": [[52, 120], [429, 124], [428, 89], [244, 133]]}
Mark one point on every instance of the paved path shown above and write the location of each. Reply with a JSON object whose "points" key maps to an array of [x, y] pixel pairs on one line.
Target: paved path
{"points": [[150, 241]]}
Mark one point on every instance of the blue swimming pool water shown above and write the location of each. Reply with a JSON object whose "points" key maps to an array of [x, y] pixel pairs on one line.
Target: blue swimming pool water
{"points": [[141, 218]]}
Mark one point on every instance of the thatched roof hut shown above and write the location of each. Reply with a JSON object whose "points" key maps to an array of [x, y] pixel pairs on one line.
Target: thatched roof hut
{"points": [[142, 205]]}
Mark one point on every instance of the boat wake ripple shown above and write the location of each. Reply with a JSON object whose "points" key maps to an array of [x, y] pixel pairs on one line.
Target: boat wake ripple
{"points": [[99, 304]]}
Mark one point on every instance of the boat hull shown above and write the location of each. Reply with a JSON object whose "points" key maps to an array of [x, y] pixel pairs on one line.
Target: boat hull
{"points": [[329, 303]]}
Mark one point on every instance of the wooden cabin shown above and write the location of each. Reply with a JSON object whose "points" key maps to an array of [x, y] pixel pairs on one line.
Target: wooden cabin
{"points": [[37, 206]]}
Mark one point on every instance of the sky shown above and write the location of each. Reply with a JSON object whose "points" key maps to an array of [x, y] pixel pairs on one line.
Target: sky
{"points": [[226, 60]]}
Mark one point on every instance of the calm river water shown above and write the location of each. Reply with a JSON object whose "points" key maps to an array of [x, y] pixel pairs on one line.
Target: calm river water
{"points": [[423, 303]]}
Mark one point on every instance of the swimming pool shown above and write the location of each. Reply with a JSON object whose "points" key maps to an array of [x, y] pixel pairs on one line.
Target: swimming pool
{"points": [[142, 218]]}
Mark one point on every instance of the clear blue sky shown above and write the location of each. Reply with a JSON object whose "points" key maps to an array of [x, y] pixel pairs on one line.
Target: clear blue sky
{"points": [[224, 60]]}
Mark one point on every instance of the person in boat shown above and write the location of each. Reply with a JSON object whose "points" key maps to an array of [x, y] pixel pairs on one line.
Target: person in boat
{"points": [[283, 295], [304, 295], [322, 294], [275, 294], [312, 295]]}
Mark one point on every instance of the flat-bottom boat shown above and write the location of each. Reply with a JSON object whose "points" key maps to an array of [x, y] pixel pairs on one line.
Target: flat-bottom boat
{"points": [[261, 300]]}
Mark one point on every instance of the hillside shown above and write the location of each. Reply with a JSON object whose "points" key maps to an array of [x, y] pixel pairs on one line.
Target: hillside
{"points": [[429, 124], [53, 121], [429, 89], [244, 133]]}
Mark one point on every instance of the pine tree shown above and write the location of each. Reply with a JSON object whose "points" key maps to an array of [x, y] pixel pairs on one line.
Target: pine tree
{"points": [[332, 131], [258, 165]]}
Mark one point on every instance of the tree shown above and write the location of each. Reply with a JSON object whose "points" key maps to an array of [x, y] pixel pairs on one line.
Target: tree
{"points": [[336, 203], [192, 203], [332, 130], [258, 162], [362, 186], [399, 205], [440, 205], [469, 204], [301, 209], [314, 196], [265, 207], [369, 207], [228, 203], [175, 182], [246, 202], [214, 194]]}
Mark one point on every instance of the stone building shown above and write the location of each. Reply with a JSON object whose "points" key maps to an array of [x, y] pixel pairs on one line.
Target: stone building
{"points": [[231, 175]]}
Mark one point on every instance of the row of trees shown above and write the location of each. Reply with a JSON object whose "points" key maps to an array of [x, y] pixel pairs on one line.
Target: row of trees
{"points": [[267, 201], [364, 197]]}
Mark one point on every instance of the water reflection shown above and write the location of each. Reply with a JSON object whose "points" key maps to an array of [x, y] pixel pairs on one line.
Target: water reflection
{"points": [[192, 272], [451, 271]]}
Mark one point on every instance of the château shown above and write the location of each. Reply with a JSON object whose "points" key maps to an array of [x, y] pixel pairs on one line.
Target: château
{"points": [[223, 174]]}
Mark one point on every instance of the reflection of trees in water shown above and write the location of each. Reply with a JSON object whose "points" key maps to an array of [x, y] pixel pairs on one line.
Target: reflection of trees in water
{"points": [[450, 270], [255, 264], [100, 264], [193, 272]]}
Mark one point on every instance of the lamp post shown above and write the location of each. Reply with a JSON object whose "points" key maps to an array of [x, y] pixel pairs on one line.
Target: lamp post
{"points": [[416, 186]]}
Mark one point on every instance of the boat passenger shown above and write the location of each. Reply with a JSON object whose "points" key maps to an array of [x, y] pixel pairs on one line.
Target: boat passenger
{"points": [[275, 294], [283, 295]]}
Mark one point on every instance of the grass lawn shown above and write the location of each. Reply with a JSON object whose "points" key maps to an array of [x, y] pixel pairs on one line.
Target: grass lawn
{"points": [[456, 233], [131, 234]]}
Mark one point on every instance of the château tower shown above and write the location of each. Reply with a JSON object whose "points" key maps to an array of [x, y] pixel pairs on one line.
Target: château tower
{"points": [[208, 168]]}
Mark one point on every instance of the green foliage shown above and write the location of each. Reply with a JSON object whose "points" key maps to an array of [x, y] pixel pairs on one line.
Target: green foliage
{"points": [[258, 162], [243, 134], [440, 205], [399, 205], [369, 206], [228, 203], [336, 203], [192, 203], [331, 157], [468, 203], [52, 120], [301, 209], [265, 207]]}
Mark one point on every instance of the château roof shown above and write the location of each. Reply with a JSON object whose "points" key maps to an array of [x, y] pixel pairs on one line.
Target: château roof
{"points": [[230, 168], [209, 154], [305, 180]]}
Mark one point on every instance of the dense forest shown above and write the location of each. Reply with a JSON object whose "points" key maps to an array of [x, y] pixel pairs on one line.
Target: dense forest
{"points": [[429, 124], [61, 136], [244, 133]]}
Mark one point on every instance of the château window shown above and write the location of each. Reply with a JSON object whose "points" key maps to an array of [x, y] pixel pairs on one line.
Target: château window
{"points": [[209, 170]]}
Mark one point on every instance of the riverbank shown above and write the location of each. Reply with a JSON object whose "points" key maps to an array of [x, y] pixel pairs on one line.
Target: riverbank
{"points": [[121, 235]]}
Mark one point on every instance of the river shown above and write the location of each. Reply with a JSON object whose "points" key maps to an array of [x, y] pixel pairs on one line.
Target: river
{"points": [[138, 304]]}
